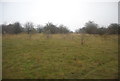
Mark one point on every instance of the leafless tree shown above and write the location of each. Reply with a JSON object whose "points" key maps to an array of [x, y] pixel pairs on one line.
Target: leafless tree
{"points": [[29, 27], [82, 35]]}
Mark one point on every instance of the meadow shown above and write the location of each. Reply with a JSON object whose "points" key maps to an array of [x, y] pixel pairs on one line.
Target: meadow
{"points": [[61, 56]]}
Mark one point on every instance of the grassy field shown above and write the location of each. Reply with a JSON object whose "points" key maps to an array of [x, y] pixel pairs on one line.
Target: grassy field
{"points": [[60, 57]]}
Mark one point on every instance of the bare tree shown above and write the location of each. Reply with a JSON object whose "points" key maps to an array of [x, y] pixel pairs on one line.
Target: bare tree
{"points": [[82, 37], [29, 27], [48, 34]]}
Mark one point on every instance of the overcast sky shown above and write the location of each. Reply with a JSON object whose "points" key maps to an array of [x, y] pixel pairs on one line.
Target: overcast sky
{"points": [[71, 13]]}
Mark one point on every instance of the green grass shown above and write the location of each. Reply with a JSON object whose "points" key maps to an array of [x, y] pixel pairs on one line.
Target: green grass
{"points": [[60, 57]]}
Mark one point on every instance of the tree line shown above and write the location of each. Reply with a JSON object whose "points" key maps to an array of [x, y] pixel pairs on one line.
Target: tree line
{"points": [[90, 28], [29, 27]]}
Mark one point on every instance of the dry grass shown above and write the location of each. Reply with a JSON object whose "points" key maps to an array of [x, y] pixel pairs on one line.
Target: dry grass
{"points": [[60, 56]]}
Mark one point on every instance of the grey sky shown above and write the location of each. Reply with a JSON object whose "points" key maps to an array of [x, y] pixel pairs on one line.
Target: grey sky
{"points": [[71, 13]]}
